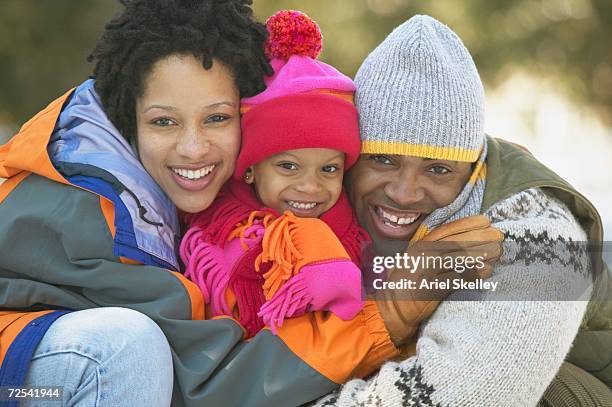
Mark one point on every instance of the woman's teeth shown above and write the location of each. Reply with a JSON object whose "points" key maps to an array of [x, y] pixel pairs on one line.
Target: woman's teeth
{"points": [[299, 205], [396, 221], [194, 174]]}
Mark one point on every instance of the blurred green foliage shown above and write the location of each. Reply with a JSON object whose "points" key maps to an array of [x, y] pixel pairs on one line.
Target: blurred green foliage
{"points": [[44, 43]]}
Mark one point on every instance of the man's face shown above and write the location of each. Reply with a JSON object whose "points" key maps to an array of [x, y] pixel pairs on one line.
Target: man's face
{"points": [[393, 194]]}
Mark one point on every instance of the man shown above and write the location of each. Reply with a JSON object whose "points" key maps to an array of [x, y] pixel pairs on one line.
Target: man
{"points": [[426, 162]]}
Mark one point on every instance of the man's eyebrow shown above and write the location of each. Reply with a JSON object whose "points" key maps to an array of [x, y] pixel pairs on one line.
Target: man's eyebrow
{"points": [[433, 159]]}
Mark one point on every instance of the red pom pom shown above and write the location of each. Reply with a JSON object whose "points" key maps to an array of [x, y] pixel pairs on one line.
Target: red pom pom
{"points": [[292, 33]]}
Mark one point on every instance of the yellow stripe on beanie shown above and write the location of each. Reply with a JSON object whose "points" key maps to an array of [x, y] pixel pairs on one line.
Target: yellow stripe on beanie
{"points": [[420, 150]]}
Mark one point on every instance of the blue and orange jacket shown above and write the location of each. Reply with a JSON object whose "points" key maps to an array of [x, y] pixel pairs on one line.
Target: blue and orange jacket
{"points": [[82, 225]]}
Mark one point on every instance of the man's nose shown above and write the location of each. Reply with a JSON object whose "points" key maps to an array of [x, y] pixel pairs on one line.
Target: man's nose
{"points": [[405, 191], [193, 144]]}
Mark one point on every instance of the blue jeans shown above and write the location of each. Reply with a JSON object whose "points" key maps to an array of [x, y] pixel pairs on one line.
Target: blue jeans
{"points": [[104, 357]]}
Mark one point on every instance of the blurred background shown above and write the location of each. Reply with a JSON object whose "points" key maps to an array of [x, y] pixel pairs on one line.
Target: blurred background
{"points": [[546, 65]]}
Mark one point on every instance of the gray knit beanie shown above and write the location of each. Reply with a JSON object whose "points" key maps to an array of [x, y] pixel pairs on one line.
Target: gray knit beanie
{"points": [[419, 94]]}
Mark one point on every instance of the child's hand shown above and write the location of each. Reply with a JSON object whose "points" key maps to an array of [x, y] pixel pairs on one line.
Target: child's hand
{"points": [[333, 286], [311, 271]]}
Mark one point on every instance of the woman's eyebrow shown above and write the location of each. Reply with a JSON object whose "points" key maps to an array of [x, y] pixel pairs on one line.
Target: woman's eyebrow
{"points": [[170, 108], [173, 109]]}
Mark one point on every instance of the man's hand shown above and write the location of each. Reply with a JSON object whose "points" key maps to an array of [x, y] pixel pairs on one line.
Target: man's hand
{"points": [[403, 310]]}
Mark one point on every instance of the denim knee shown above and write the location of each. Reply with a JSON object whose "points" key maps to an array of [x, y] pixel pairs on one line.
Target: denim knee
{"points": [[119, 329], [105, 355]]}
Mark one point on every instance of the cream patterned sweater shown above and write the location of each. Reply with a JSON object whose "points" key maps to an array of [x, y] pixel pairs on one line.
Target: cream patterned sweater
{"points": [[500, 348]]}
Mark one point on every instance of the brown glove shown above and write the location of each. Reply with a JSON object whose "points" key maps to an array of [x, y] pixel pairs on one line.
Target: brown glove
{"points": [[403, 310]]}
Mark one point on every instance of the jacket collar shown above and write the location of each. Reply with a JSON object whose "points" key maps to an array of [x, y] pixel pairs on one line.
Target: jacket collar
{"points": [[85, 143]]}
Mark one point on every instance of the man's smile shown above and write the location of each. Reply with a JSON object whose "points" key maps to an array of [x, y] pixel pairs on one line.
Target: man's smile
{"points": [[394, 218], [395, 224]]}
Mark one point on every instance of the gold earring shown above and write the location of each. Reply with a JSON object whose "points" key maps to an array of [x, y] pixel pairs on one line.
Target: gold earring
{"points": [[247, 177]]}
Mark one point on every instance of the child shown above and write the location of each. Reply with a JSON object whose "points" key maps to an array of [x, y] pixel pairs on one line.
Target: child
{"points": [[281, 238]]}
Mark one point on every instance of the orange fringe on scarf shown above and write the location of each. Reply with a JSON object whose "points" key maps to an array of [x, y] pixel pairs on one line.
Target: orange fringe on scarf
{"points": [[289, 243]]}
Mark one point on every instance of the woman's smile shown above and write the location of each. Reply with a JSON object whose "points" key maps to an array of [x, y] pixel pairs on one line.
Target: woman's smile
{"points": [[194, 179]]}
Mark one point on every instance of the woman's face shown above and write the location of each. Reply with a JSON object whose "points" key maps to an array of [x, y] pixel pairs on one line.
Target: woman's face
{"points": [[188, 133]]}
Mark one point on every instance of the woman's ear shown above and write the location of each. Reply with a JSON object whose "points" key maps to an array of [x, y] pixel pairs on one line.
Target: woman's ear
{"points": [[249, 175]]}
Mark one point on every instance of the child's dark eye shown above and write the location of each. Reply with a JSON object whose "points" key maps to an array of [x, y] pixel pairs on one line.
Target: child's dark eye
{"points": [[381, 159], [163, 122], [438, 169], [217, 118], [288, 166], [330, 169]]}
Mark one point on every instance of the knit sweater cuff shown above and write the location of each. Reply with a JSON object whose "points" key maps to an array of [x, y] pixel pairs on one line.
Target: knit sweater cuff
{"points": [[382, 348]]}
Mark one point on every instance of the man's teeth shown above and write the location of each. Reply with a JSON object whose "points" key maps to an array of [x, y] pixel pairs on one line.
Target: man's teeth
{"points": [[194, 174], [397, 220], [298, 205]]}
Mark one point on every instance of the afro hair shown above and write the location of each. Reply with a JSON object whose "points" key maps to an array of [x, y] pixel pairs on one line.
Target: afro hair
{"points": [[150, 30]]}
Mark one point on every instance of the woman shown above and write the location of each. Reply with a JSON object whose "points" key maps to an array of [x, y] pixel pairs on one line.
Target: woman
{"points": [[88, 271]]}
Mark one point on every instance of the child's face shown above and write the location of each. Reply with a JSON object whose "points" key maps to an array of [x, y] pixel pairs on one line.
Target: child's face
{"points": [[306, 182]]}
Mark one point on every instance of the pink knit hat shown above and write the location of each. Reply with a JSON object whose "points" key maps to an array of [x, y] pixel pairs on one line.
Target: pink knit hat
{"points": [[307, 103]]}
